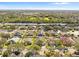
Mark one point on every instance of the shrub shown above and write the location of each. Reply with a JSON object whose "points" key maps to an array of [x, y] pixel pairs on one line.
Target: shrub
{"points": [[77, 46], [28, 54], [39, 42], [6, 53]]}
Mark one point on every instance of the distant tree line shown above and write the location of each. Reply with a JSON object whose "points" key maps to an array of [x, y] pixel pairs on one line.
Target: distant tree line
{"points": [[39, 17]]}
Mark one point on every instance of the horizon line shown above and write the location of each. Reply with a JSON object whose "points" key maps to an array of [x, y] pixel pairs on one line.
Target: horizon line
{"points": [[38, 9]]}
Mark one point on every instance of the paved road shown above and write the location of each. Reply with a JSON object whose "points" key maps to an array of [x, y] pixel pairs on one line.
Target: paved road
{"points": [[34, 24], [61, 24]]}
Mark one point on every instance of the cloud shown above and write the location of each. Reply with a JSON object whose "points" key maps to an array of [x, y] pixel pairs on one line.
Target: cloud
{"points": [[17, 8], [36, 8], [61, 3]]}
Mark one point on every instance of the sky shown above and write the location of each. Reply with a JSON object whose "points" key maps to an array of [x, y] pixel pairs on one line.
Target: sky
{"points": [[40, 5]]}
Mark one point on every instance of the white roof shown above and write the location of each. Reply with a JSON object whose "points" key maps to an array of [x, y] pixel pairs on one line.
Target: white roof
{"points": [[15, 39], [75, 32]]}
